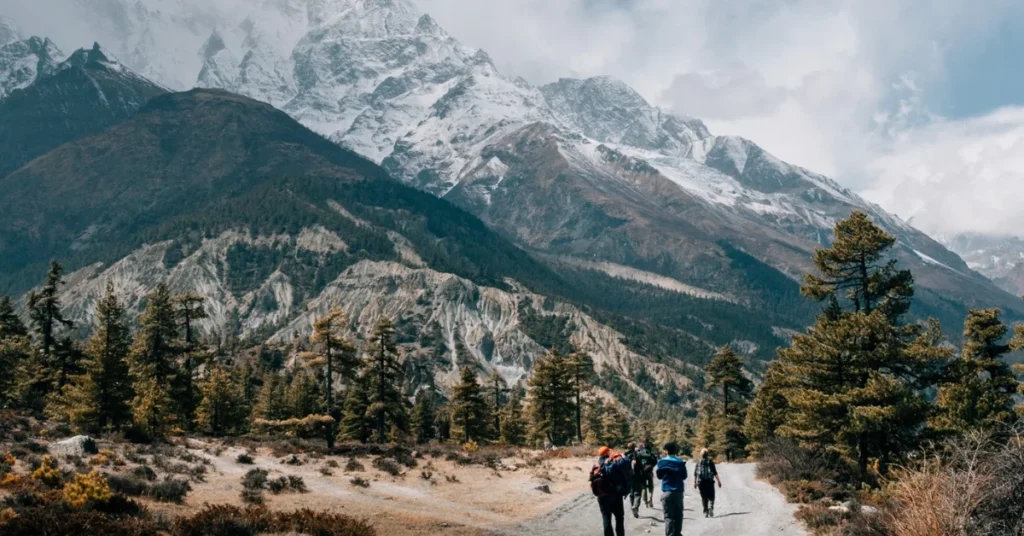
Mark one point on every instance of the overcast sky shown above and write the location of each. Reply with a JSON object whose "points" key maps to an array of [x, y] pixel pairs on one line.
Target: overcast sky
{"points": [[917, 104], [914, 103]]}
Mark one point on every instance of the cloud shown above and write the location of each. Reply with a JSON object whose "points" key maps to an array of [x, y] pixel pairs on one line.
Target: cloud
{"points": [[956, 176], [730, 93]]}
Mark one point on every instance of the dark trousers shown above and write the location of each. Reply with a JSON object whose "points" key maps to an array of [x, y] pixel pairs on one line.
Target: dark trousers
{"points": [[672, 508], [612, 506], [707, 493]]}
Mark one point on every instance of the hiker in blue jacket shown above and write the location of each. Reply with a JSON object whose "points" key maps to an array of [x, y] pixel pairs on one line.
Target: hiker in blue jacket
{"points": [[672, 472]]}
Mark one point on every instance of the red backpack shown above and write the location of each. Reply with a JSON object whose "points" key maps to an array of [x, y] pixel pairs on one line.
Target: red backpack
{"points": [[600, 481]]}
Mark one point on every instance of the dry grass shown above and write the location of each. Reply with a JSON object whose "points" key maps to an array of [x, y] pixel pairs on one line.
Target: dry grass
{"points": [[970, 486]]}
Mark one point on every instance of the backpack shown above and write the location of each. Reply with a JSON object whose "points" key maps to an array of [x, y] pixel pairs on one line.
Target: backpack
{"points": [[703, 472], [613, 477], [601, 483]]}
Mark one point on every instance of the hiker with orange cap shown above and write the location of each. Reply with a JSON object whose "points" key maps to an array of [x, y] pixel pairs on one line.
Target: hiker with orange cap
{"points": [[610, 480]]}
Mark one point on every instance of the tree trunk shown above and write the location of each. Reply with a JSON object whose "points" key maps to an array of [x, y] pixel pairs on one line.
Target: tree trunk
{"points": [[329, 396], [380, 392]]}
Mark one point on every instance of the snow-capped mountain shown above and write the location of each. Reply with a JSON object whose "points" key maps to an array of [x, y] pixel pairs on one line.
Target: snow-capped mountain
{"points": [[578, 169], [81, 95], [998, 257], [22, 62]]}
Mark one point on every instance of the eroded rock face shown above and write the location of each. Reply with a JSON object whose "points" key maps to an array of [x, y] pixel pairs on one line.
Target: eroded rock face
{"points": [[443, 320]]}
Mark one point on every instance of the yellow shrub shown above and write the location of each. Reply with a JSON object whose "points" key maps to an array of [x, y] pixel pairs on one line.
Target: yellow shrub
{"points": [[87, 488], [471, 446], [10, 480], [47, 473], [7, 515], [99, 459], [9, 459]]}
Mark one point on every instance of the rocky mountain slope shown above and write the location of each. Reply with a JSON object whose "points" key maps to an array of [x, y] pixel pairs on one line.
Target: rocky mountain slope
{"points": [[998, 257], [218, 194], [63, 101]]}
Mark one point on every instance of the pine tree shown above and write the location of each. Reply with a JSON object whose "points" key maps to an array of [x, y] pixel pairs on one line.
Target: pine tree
{"points": [[155, 350], [471, 418], [443, 422], [424, 417], [593, 422], [709, 419], [385, 376], [303, 396], [854, 380], [190, 309], [355, 424], [100, 397], [16, 372], [338, 357], [552, 400], [980, 389], [498, 389], [582, 368], [855, 269], [154, 367], [152, 407], [270, 403], [616, 426], [10, 324], [725, 371], [768, 410], [513, 429], [223, 409], [45, 309]]}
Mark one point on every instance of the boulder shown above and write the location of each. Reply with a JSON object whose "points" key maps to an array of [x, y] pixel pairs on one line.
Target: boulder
{"points": [[76, 446]]}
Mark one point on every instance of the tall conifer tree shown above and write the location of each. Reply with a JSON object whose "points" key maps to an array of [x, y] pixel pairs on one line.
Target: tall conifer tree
{"points": [[471, 417], [101, 396], [981, 386], [725, 372], [337, 358], [384, 374]]}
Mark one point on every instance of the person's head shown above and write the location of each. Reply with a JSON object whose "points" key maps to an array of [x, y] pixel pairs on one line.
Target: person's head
{"points": [[604, 451], [704, 453], [630, 446], [647, 444], [671, 448]]}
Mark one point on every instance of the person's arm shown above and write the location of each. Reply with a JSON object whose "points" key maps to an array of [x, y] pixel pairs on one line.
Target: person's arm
{"points": [[714, 470]]}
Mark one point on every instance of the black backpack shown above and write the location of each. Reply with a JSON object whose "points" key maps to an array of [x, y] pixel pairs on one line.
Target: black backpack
{"points": [[704, 472]]}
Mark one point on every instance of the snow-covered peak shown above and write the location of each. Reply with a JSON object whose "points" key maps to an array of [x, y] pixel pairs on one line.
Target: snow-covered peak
{"points": [[91, 57], [608, 110], [24, 62], [369, 19], [8, 31]]}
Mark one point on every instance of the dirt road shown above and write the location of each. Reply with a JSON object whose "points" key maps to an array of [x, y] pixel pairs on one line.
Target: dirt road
{"points": [[745, 506]]}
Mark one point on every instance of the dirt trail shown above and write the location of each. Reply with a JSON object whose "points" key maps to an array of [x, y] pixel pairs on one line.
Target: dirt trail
{"points": [[744, 506]]}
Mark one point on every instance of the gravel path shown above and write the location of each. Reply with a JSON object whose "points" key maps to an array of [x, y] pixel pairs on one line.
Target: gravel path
{"points": [[744, 506]]}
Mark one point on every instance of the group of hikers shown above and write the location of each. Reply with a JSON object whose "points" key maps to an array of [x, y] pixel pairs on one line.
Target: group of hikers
{"points": [[616, 476]]}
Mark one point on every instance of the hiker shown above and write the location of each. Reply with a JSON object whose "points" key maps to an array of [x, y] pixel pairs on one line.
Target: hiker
{"points": [[648, 461], [610, 481], [704, 477], [642, 491], [672, 472]]}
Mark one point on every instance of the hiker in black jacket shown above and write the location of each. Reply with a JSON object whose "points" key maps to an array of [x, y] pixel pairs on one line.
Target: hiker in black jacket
{"points": [[704, 477], [643, 476]]}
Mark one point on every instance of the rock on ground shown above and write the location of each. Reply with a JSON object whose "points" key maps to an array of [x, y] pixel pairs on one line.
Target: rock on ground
{"points": [[75, 446]]}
